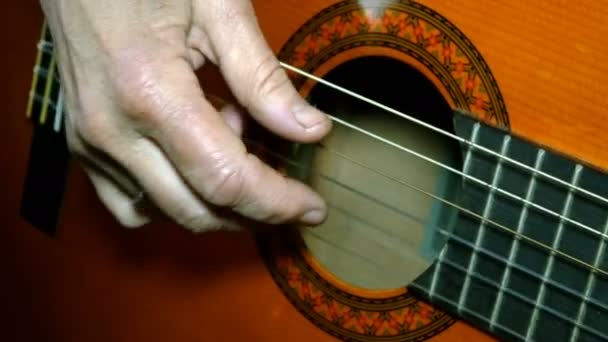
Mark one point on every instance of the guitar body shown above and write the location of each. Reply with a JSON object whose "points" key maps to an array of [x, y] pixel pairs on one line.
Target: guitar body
{"points": [[533, 69]]}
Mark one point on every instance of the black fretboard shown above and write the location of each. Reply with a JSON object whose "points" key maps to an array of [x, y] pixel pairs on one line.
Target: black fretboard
{"points": [[539, 281]]}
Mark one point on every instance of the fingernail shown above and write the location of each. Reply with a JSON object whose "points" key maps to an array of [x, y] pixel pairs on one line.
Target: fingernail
{"points": [[313, 217], [307, 117]]}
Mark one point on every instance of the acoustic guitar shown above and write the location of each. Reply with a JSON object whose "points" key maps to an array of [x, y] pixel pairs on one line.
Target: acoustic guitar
{"points": [[465, 177]]}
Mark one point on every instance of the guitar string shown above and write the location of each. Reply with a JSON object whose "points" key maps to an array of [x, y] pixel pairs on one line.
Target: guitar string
{"points": [[391, 110], [474, 179], [449, 234], [443, 132], [476, 274], [48, 48], [460, 208], [386, 141], [593, 231], [557, 180]]}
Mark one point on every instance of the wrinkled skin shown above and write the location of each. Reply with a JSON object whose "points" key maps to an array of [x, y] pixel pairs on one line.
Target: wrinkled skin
{"points": [[138, 118]]}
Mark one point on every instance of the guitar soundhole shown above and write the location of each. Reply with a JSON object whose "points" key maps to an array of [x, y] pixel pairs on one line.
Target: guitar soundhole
{"points": [[380, 233]]}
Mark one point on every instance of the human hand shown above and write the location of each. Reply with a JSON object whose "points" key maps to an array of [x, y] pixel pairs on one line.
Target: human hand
{"points": [[138, 118]]}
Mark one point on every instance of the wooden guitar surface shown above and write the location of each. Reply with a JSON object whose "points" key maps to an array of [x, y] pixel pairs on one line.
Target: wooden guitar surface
{"points": [[546, 81]]}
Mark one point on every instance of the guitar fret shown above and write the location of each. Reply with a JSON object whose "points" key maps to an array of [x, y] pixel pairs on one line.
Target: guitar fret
{"points": [[49, 102], [481, 232], [590, 284], [515, 245], [511, 293], [556, 241], [58, 111], [487, 253], [435, 276], [466, 310], [515, 266], [45, 46], [499, 282], [466, 166], [41, 71]]}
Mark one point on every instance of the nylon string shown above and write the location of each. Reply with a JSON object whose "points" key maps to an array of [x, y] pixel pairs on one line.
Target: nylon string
{"points": [[445, 133], [593, 231], [460, 208]]}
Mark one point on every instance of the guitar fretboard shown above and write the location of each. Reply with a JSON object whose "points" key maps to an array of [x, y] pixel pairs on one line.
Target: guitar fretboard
{"points": [[538, 280]]}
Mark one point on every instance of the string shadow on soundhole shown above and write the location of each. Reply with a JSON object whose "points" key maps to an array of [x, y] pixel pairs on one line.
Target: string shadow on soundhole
{"points": [[379, 234]]}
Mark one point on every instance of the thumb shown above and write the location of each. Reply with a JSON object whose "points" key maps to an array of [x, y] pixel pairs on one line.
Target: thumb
{"points": [[255, 75]]}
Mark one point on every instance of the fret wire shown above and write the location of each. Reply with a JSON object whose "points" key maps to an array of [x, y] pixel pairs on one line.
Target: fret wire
{"points": [[41, 71], [486, 212], [440, 131], [519, 296], [45, 46], [490, 254], [556, 242], [58, 111], [435, 276], [39, 99], [468, 311], [523, 298], [601, 249], [589, 229], [466, 166], [540, 154]]}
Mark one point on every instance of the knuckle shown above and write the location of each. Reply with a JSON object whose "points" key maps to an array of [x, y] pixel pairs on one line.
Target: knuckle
{"points": [[92, 127], [226, 184], [137, 83], [197, 222], [145, 101], [269, 77], [138, 92]]}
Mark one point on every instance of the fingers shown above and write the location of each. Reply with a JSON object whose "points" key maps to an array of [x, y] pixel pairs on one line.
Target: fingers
{"points": [[231, 115], [151, 175], [211, 158], [118, 202], [158, 182], [164, 186], [254, 74], [135, 98]]}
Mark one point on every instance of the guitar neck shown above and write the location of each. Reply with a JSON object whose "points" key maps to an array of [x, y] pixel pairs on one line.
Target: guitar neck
{"points": [[513, 268]]}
